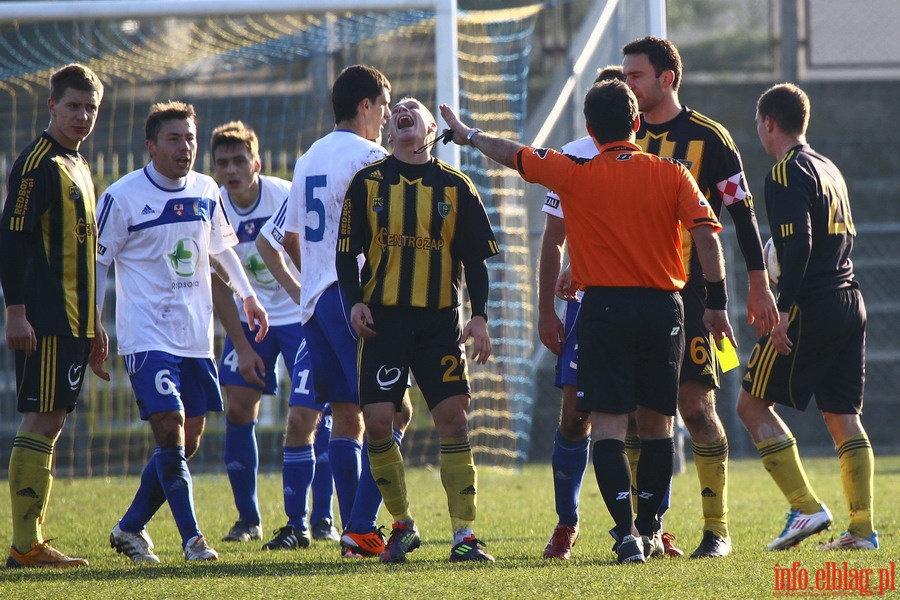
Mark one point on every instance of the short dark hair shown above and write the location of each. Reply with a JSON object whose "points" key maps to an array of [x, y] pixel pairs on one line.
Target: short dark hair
{"points": [[610, 109], [610, 72], [233, 134], [77, 77], [352, 86], [661, 53], [787, 105], [167, 111]]}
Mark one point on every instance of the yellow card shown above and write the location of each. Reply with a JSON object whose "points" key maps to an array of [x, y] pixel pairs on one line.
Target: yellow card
{"points": [[728, 357]]}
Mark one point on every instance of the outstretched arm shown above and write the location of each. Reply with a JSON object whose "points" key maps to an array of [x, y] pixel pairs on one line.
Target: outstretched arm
{"points": [[496, 148]]}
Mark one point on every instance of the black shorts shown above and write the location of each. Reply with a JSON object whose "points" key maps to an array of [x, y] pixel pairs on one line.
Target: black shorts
{"points": [[828, 358], [700, 362], [51, 378], [630, 342], [424, 340]]}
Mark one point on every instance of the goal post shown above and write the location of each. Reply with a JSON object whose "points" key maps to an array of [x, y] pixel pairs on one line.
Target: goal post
{"points": [[273, 69]]}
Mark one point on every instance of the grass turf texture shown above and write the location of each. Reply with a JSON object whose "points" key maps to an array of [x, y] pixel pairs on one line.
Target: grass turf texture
{"points": [[515, 518]]}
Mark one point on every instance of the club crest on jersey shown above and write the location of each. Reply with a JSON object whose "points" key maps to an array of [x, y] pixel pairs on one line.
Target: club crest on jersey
{"points": [[541, 153], [179, 209], [250, 228], [444, 209], [377, 204], [74, 193]]}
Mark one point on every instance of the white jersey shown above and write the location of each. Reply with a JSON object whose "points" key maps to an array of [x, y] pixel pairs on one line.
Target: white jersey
{"points": [[313, 209], [582, 148], [160, 241], [247, 223]]}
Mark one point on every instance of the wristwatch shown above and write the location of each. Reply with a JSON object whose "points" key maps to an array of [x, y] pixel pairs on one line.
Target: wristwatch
{"points": [[472, 133]]}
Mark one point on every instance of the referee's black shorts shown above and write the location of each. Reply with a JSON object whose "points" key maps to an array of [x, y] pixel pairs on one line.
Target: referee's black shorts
{"points": [[630, 344], [828, 358]]}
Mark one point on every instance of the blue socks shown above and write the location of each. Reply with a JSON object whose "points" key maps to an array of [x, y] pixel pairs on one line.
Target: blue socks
{"points": [[569, 462], [148, 499], [345, 455], [297, 477], [323, 481], [242, 463]]}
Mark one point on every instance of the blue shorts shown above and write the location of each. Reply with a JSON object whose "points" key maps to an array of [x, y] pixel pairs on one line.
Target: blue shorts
{"points": [[281, 339], [332, 345], [303, 391], [567, 361], [165, 382]]}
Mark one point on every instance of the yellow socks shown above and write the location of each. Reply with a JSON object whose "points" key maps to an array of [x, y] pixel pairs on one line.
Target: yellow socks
{"points": [[782, 461], [387, 469], [29, 487], [633, 453], [711, 461], [459, 478], [857, 472]]}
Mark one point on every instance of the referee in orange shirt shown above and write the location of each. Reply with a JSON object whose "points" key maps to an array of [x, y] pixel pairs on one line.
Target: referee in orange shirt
{"points": [[624, 212]]}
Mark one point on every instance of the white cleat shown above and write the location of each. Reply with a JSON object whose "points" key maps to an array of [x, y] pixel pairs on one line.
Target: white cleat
{"points": [[197, 549], [800, 526], [136, 546]]}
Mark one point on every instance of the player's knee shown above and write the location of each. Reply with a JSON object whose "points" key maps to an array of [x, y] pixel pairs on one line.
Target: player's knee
{"points": [[575, 426]]}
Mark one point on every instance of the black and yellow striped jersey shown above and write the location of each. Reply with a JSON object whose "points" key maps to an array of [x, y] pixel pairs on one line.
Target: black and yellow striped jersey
{"points": [[416, 226], [812, 225], [705, 147], [49, 223]]}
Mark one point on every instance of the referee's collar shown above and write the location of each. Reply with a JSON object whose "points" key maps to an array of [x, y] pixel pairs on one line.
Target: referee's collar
{"points": [[619, 146]]}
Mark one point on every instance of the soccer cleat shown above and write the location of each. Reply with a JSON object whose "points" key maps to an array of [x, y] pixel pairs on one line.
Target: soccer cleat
{"points": [[197, 549], [136, 546], [630, 550], [288, 538], [653, 545], [848, 541], [800, 526], [561, 542], [242, 531], [712, 546], [42, 554], [470, 549], [668, 540], [363, 544], [403, 540], [324, 530]]}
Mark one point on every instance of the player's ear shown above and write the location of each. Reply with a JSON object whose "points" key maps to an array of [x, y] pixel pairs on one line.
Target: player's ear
{"points": [[637, 124]]}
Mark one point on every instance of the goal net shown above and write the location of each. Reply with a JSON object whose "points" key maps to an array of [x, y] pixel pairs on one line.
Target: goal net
{"points": [[274, 72]]}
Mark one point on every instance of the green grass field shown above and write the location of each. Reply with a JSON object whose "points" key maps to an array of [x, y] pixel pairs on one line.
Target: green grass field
{"points": [[515, 518]]}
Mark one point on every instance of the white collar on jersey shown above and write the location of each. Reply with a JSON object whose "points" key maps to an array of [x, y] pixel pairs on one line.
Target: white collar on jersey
{"points": [[163, 181]]}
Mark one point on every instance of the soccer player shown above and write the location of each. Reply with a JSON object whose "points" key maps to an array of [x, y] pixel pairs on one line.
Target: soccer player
{"points": [[248, 369], [571, 446], [162, 226], [420, 223], [48, 240], [307, 227], [820, 302], [653, 71], [627, 256]]}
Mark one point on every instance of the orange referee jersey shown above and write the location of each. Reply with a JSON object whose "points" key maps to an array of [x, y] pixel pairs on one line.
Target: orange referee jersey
{"points": [[623, 213]]}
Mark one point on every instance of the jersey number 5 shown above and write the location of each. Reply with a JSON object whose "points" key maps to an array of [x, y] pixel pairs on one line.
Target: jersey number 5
{"points": [[314, 204]]}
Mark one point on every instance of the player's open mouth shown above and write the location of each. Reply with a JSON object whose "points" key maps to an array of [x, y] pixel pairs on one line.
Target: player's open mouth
{"points": [[404, 121]]}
